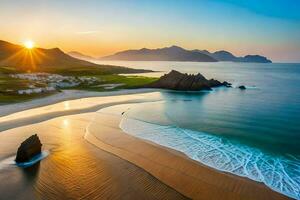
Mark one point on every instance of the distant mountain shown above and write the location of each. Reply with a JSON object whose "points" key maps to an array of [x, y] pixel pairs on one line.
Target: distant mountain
{"points": [[255, 58], [173, 53], [223, 56], [227, 56], [80, 56], [51, 60]]}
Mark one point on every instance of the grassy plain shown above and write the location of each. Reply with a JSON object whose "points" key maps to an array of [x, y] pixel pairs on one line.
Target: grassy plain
{"points": [[9, 85]]}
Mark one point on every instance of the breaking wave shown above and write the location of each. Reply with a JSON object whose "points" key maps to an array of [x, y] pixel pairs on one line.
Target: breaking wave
{"points": [[279, 173]]}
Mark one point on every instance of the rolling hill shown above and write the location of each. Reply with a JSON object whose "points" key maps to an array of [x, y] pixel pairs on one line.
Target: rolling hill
{"points": [[52, 60]]}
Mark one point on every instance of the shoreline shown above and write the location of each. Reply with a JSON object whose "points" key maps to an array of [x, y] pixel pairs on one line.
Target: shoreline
{"points": [[171, 166], [74, 168], [45, 109], [168, 166], [65, 95]]}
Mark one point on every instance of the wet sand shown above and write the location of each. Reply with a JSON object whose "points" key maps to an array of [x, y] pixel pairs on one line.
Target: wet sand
{"points": [[69, 107], [74, 169], [187, 176], [65, 95], [90, 161]]}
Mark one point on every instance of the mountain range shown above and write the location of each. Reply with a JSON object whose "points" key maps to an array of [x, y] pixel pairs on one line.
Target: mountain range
{"points": [[175, 53], [50, 60], [227, 56]]}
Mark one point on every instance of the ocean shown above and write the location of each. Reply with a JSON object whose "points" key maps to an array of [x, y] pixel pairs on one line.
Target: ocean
{"points": [[254, 133]]}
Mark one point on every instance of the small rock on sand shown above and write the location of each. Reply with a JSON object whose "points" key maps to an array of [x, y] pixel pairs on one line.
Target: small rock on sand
{"points": [[28, 149]]}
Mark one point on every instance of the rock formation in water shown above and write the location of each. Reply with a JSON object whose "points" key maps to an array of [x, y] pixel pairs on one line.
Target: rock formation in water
{"points": [[28, 149], [242, 87], [186, 82]]}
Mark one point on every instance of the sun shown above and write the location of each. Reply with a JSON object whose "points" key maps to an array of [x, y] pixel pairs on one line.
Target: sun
{"points": [[29, 44]]}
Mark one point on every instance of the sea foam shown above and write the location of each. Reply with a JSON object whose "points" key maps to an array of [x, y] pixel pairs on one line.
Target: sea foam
{"points": [[279, 173]]}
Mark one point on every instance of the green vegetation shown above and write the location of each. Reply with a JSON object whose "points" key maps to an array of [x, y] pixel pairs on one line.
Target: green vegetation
{"points": [[70, 70], [128, 81], [9, 85], [15, 98], [92, 70], [122, 82]]}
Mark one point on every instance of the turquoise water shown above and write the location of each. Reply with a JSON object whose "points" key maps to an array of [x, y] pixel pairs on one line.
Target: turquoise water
{"points": [[253, 133]]}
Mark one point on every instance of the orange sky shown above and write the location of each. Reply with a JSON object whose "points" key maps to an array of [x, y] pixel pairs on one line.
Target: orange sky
{"points": [[100, 28]]}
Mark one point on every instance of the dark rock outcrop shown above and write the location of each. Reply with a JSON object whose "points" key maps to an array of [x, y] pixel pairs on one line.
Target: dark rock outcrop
{"points": [[226, 84], [29, 148], [186, 82], [242, 87]]}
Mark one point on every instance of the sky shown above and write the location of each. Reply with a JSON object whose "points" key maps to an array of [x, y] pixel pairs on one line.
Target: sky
{"points": [[103, 27]]}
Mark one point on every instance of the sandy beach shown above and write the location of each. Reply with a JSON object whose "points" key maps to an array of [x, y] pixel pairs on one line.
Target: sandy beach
{"points": [[64, 95], [92, 158], [74, 168], [68, 103]]}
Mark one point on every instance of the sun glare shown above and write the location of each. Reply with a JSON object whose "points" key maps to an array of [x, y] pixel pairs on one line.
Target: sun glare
{"points": [[29, 44]]}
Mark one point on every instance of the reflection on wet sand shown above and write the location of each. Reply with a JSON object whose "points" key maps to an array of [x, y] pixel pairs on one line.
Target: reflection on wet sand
{"points": [[71, 107], [74, 169]]}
